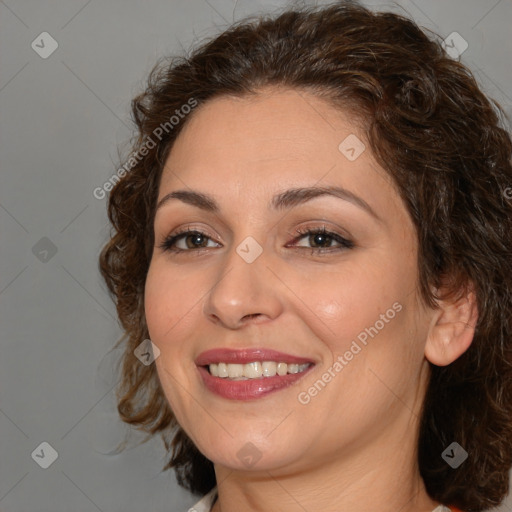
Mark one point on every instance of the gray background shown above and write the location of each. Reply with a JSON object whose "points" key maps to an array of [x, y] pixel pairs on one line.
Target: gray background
{"points": [[62, 120]]}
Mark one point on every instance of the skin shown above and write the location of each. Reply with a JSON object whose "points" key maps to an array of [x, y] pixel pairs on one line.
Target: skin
{"points": [[354, 444]]}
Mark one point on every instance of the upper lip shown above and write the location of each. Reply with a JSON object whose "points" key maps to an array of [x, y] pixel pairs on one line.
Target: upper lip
{"points": [[248, 355]]}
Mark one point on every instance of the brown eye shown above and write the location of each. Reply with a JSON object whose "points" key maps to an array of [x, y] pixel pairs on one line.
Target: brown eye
{"points": [[323, 238], [193, 240]]}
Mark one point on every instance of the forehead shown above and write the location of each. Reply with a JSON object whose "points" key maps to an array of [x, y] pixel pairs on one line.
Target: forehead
{"points": [[269, 141], [272, 121]]}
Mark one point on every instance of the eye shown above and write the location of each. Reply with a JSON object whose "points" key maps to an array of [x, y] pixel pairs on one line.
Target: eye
{"points": [[196, 239], [323, 238], [193, 239]]}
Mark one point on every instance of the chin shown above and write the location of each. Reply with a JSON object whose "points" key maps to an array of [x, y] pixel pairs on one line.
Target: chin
{"points": [[250, 453]]}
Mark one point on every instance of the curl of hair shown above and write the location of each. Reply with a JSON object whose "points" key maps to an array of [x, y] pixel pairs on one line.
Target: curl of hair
{"points": [[442, 142]]}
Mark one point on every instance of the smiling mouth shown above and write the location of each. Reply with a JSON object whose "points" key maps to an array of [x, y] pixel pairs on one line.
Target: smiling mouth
{"points": [[250, 373], [254, 370]]}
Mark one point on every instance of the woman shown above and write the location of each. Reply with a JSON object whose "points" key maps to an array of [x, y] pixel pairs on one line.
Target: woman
{"points": [[315, 234]]}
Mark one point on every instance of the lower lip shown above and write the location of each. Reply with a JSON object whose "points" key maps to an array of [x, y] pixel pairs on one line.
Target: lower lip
{"points": [[248, 389]]}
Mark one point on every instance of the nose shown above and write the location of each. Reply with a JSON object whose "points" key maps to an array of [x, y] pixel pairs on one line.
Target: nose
{"points": [[243, 293]]}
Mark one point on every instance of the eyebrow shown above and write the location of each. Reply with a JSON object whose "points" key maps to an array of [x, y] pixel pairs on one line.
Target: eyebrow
{"points": [[284, 200]]}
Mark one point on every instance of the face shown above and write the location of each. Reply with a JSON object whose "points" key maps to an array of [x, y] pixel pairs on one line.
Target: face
{"points": [[250, 279]]}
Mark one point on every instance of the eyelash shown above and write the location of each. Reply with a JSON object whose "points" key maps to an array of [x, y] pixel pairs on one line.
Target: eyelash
{"points": [[168, 245]]}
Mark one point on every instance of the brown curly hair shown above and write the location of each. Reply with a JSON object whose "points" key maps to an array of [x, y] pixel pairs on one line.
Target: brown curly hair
{"points": [[442, 141]]}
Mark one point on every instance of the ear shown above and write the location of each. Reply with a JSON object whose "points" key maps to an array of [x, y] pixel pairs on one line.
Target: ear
{"points": [[452, 328]]}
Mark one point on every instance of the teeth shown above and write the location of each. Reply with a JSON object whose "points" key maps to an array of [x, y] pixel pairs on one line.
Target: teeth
{"points": [[254, 370], [269, 368], [293, 368], [222, 370], [282, 369], [235, 370]]}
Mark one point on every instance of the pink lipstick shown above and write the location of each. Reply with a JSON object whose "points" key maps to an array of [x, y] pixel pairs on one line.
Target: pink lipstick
{"points": [[249, 374]]}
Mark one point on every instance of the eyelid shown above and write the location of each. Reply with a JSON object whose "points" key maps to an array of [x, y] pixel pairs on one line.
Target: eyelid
{"points": [[181, 232], [344, 242]]}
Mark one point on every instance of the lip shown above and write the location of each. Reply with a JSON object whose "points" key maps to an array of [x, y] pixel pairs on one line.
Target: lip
{"points": [[250, 389], [249, 355]]}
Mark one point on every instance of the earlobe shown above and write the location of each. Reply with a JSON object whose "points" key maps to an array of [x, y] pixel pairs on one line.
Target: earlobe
{"points": [[452, 329]]}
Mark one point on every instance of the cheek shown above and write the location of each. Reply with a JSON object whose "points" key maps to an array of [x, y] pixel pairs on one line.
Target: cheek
{"points": [[169, 311], [156, 304], [167, 302], [355, 302]]}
